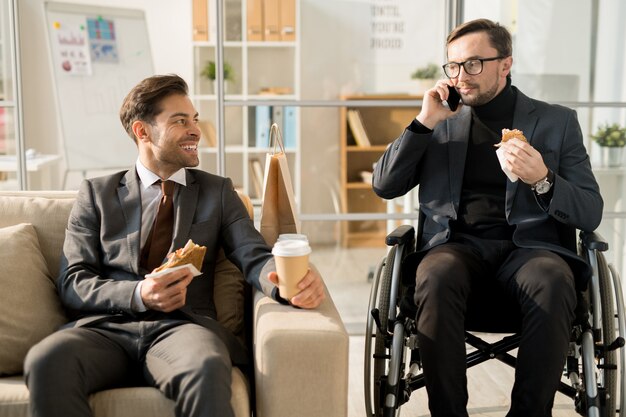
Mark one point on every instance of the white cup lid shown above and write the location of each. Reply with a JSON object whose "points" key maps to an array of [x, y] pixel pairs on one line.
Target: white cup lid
{"points": [[291, 248], [292, 236]]}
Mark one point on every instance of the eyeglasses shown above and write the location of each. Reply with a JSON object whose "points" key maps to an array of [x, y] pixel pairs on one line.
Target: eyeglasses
{"points": [[471, 66]]}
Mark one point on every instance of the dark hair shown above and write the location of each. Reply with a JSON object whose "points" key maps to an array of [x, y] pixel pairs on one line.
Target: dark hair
{"points": [[499, 36], [142, 102]]}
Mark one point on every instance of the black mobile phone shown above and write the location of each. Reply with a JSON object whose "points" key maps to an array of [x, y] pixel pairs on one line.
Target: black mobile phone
{"points": [[453, 98]]}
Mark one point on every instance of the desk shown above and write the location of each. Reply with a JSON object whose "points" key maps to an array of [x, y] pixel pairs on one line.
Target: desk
{"points": [[38, 163]]}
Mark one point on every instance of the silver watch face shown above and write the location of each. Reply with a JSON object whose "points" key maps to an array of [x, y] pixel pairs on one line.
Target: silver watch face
{"points": [[542, 186]]}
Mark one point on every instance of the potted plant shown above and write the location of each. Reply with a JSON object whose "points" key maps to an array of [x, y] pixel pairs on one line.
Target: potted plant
{"points": [[612, 139], [425, 77], [209, 71]]}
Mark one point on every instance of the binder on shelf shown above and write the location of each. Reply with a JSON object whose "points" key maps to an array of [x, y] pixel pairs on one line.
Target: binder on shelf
{"points": [[200, 20], [288, 20], [277, 117], [271, 20], [289, 126], [263, 120], [357, 128], [212, 20], [255, 20], [256, 174]]}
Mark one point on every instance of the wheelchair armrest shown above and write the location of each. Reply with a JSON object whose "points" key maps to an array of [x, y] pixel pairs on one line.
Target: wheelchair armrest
{"points": [[594, 241], [401, 235]]}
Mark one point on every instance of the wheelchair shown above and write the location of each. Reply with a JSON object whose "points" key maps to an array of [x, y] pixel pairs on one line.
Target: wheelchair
{"points": [[594, 368]]}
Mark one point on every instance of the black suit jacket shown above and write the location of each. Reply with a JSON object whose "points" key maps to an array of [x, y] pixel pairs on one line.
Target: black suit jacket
{"points": [[436, 162]]}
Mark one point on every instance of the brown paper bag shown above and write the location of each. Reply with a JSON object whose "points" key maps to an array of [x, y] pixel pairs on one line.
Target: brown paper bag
{"points": [[278, 208]]}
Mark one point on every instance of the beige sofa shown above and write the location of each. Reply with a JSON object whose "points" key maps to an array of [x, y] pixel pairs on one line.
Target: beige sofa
{"points": [[300, 356]]}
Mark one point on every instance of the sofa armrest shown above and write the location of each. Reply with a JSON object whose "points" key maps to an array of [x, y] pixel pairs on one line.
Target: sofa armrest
{"points": [[300, 360]]}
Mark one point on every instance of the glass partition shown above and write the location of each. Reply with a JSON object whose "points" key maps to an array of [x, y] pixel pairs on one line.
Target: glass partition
{"points": [[9, 162], [350, 72]]}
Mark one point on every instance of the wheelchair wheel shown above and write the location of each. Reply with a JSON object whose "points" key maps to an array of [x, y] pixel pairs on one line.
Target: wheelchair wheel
{"points": [[380, 351], [376, 362], [373, 340], [599, 365], [621, 325], [608, 366]]}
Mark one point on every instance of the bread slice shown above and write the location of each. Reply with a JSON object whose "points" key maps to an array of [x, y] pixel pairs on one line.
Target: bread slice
{"points": [[191, 253]]}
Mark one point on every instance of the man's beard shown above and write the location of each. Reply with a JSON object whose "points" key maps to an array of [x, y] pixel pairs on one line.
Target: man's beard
{"points": [[481, 98]]}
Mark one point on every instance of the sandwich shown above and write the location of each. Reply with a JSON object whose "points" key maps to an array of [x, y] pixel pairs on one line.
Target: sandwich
{"points": [[508, 134], [190, 254]]}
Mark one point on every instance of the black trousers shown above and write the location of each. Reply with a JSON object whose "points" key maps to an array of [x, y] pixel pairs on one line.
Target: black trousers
{"points": [[540, 284], [187, 362]]}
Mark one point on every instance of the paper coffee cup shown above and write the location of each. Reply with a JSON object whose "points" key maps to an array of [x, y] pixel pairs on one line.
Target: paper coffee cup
{"points": [[292, 263]]}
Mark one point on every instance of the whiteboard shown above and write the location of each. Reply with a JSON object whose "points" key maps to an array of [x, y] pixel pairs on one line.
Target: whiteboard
{"points": [[97, 54]]}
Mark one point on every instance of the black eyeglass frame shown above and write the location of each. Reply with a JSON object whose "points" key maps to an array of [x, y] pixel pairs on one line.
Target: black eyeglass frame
{"points": [[462, 64]]}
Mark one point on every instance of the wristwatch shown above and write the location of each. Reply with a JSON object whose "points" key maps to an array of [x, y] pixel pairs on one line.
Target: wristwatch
{"points": [[543, 186]]}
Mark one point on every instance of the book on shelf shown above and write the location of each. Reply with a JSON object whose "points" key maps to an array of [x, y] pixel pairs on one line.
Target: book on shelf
{"points": [[256, 171], [358, 128], [200, 20], [255, 20], [204, 21], [289, 127], [262, 123], [288, 20], [271, 20]]}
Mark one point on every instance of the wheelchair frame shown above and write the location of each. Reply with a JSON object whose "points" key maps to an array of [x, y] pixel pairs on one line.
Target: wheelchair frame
{"points": [[591, 367]]}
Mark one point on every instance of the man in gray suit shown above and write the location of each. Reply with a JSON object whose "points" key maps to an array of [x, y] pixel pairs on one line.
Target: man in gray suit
{"points": [[483, 231], [130, 327]]}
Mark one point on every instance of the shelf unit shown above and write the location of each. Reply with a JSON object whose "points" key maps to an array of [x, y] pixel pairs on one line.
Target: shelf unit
{"points": [[264, 70], [382, 125]]}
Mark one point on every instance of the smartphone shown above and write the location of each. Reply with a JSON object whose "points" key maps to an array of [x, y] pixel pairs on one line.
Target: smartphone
{"points": [[453, 98]]}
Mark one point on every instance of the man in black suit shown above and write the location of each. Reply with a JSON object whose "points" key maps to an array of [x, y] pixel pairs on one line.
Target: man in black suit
{"points": [[159, 330], [484, 231]]}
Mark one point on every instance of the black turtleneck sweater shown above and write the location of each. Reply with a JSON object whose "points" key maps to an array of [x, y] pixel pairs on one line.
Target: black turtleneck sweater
{"points": [[482, 206]]}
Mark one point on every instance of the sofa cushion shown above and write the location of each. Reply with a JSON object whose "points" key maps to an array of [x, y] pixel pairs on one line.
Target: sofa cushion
{"points": [[29, 305], [121, 402], [47, 212], [228, 295]]}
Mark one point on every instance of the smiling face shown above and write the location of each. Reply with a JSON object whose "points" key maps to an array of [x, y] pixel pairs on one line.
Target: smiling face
{"points": [[170, 142], [478, 89]]}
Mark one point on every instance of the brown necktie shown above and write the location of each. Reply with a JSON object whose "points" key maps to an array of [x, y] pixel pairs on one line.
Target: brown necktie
{"points": [[160, 237]]}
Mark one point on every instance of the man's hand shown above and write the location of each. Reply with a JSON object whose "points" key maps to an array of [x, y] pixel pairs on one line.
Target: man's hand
{"points": [[311, 288], [166, 292], [433, 111], [524, 161]]}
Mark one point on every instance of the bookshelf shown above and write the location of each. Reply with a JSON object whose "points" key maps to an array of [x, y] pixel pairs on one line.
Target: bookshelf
{"points": [[261, 45], [381, 125]]}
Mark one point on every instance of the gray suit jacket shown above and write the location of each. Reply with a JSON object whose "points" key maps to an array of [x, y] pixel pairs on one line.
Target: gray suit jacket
{"points": [[436, 162], [100, 262]]}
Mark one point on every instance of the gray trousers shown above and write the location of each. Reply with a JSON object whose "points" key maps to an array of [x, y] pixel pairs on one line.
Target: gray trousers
{"points": [[538, 282], [185, 361]]}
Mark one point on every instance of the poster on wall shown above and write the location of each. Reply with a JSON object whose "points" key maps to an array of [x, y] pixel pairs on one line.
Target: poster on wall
{"points": [[102, 40], [397, 33], [72, 49]]}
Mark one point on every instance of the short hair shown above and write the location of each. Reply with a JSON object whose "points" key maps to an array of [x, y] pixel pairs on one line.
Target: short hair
{"points": [[142, 102], [499, 36]]}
